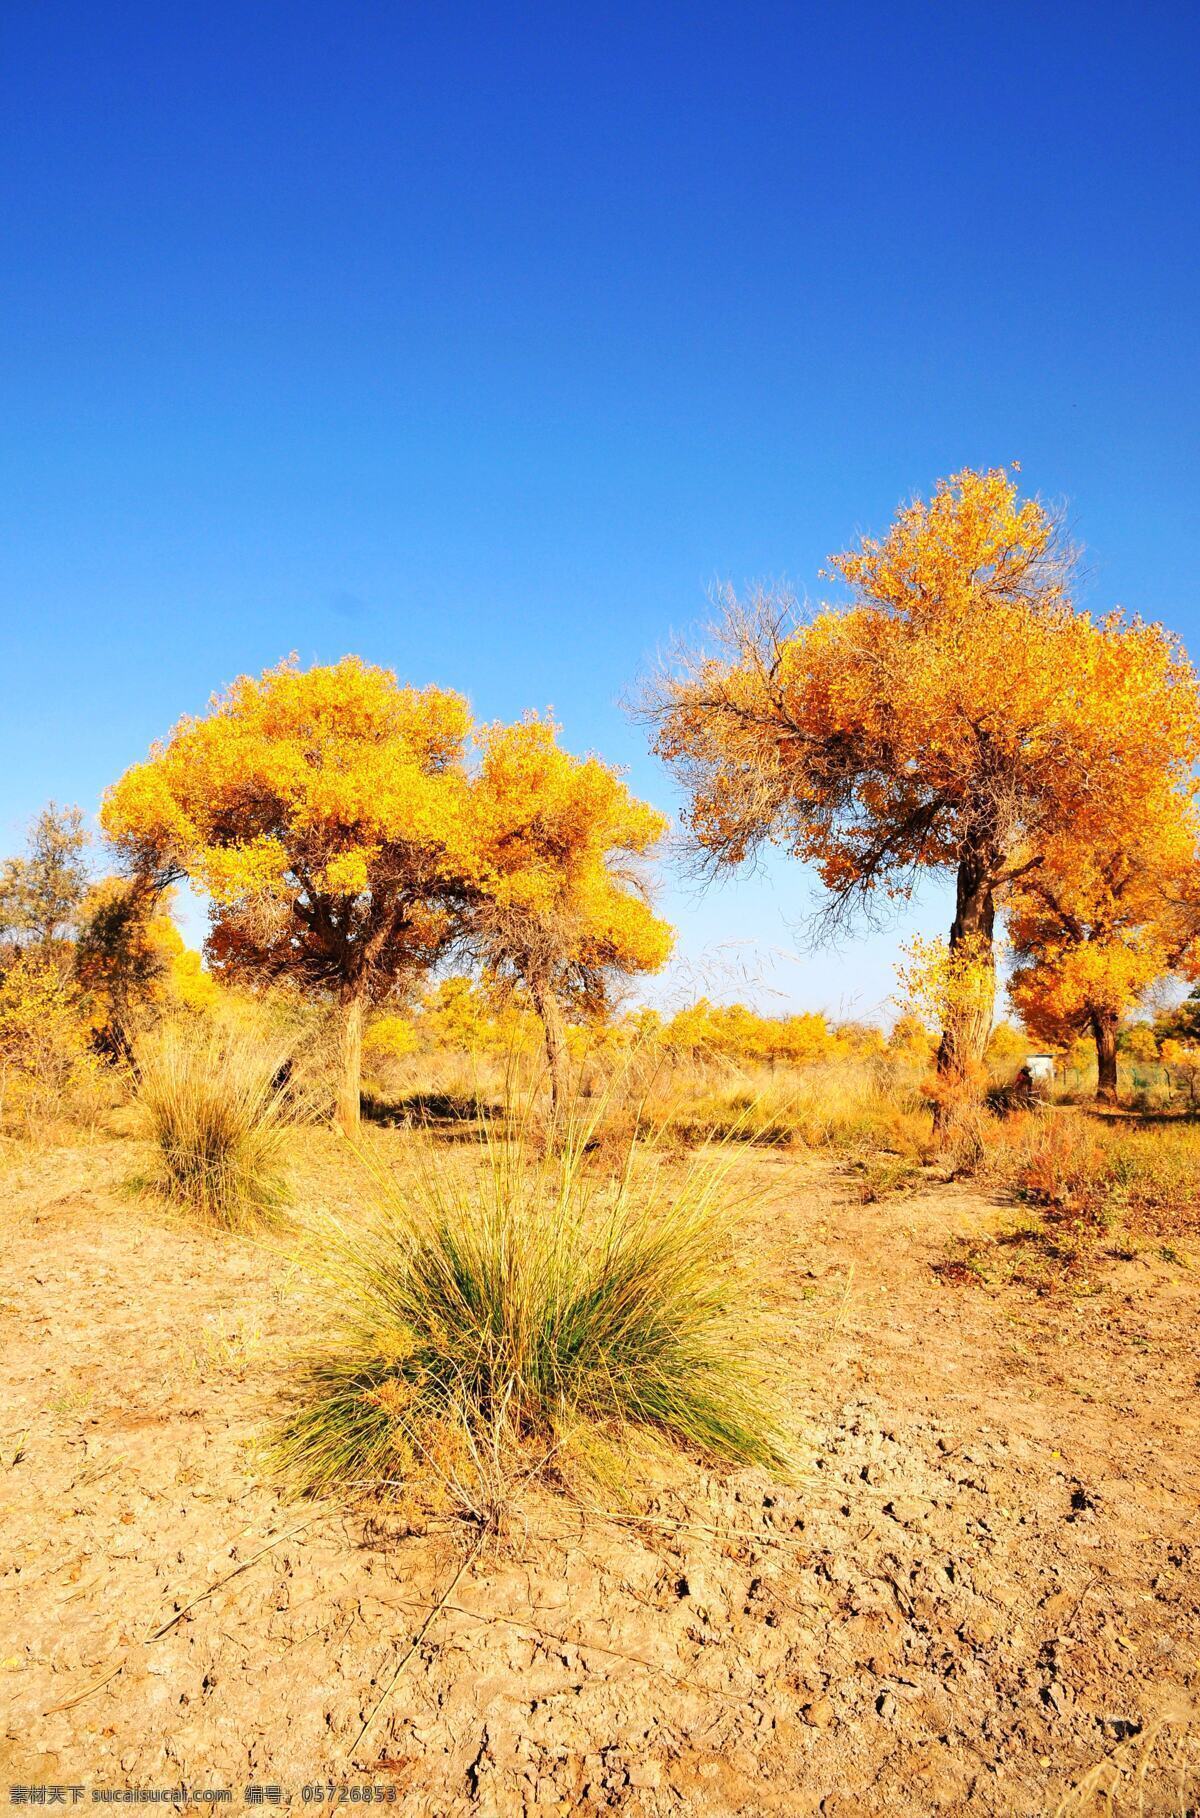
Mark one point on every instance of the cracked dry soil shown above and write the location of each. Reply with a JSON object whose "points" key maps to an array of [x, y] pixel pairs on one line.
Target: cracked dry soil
{"points": [[982, 1591]]}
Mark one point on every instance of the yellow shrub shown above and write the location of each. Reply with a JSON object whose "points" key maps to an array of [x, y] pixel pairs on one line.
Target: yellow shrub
{"points": [[389, 1037], [46, 1065]]}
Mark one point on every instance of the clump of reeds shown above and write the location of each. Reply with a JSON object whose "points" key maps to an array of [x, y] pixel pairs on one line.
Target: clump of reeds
{"points": [[217, 1109], [493, 1309]]}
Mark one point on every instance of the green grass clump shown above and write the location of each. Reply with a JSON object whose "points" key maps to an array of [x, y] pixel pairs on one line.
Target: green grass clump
{"points": [[217, 1121], [494, 1310]]}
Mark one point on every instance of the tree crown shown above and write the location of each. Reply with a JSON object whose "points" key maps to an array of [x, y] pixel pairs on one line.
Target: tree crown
{"points": [[326, 813], [561, 901], [957, 702], [41, 893], [1094, 926]]}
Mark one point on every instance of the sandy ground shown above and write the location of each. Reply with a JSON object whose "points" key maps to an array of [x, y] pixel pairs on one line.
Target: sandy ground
{"points": [[984, 1589]]}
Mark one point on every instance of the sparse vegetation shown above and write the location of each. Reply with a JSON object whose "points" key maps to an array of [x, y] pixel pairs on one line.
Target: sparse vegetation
{"points": [[1083, 1193], [1096, 1169]]}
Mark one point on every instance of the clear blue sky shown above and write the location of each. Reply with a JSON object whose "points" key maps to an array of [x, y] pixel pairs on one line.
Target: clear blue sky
{"points": [[481, 339]]}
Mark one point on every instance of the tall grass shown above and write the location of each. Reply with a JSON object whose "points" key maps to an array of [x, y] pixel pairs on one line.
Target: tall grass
{"points": [[853, 1106], [1093, 1190], [217, 1121], [499, 1311]]}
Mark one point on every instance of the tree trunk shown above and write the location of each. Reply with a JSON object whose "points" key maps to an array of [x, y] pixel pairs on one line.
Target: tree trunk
{"points": [[349, 1094], [969, 1022], [548, 1008], [1104, 1028]]}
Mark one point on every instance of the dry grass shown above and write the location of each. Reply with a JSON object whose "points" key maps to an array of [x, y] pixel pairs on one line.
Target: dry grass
{"points": [[508, 1312], [219, 1125], [1087, 1191], [735, 1113], [853, 1106], [1121, 1782], [1096, 1168]]}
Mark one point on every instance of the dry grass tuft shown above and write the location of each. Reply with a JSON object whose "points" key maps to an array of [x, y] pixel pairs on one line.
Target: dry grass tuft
{"points": [[218, 1120], [508, 1314]]}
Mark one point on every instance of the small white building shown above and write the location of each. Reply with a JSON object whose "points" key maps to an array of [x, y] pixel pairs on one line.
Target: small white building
{"points": [[1041, 1068]]}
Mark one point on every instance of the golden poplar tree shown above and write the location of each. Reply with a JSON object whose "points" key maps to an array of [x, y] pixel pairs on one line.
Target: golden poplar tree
{"points": [[326, 814], [955, 716], [41, 892], [130, 962], [1094, 926], [561, 907]]}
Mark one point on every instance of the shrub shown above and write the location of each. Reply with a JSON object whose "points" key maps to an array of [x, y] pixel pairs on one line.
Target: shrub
{"points": [[1096, 1169], [46, 1065], [218, 1112], [501, 1306]]}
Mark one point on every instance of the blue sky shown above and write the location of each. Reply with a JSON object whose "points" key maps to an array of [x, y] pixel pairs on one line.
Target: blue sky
{"points": [[482, 340]]}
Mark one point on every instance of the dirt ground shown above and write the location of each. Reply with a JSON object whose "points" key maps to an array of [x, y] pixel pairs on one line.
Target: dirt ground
{"points": [[982, 1594]]}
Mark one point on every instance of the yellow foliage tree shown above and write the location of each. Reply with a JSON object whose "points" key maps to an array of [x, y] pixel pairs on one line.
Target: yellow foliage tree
{"points": [[797, 1040], [41, 892], [910, 1041], [1008, 1047], [955, 716], [644, 1027], [390, 1037], [458, 1014], [560, 907], [1142, 1043], [45, 1053], [1095, 925], [943, 985], [1182, 1062], [326, 814], [130, 958], [691, 1032]]}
